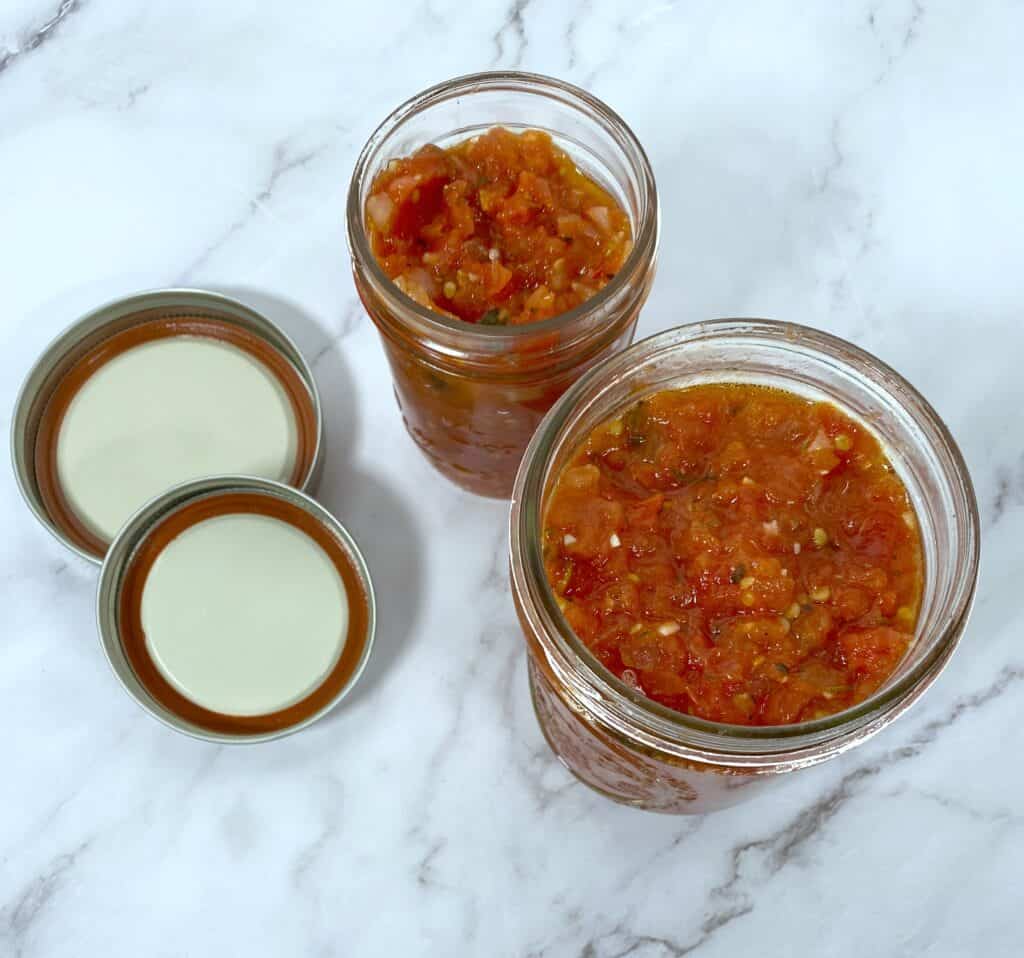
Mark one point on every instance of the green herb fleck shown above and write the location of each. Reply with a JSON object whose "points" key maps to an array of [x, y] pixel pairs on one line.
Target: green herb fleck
{"points": [[635, 421], [738, 574], [782, 667], [566, 577], [494, 317]]}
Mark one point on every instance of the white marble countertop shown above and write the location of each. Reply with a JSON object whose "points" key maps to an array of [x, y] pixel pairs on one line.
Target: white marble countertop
{"points": [[853, 166]]}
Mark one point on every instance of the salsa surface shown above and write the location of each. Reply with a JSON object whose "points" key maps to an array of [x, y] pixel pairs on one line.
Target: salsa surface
{"points": [[737, 553], [500, 229]]}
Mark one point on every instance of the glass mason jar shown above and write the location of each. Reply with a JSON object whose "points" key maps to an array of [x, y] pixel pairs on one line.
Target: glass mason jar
{"points": [[472, 396], [635, 750]]}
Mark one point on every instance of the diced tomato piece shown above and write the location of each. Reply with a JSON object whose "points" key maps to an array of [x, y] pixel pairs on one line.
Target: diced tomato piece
{"points": [[873, 651]]}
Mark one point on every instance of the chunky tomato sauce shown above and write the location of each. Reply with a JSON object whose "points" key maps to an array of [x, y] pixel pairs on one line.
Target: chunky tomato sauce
{"points": [[737, 553], [500, 229]]}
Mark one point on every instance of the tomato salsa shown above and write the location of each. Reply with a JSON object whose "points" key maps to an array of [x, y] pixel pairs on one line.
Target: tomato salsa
{"points": [[737, 553], [499, 229]]}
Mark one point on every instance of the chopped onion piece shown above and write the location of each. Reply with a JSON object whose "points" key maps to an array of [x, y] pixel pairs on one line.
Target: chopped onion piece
{"points": [[381, 210], [600, 216]]}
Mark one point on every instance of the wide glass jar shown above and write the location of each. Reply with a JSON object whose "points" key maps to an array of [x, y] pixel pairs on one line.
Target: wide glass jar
{"points": [[472, 395], [631, 748]]}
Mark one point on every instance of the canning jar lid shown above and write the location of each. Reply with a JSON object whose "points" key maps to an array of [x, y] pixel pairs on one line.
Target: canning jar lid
{"points": [[152, 390], [235, 609]]}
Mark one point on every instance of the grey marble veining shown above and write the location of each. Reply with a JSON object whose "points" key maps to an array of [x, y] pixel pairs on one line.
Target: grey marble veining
{"points": [[853, 166]]}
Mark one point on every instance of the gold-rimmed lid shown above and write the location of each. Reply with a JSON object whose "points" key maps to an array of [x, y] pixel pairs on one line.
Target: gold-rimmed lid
{"points": [[112, 331], [147, 537]]}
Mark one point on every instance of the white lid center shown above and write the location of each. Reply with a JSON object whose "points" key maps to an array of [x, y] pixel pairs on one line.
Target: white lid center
{"points": [[244, 614], [164, 412]]}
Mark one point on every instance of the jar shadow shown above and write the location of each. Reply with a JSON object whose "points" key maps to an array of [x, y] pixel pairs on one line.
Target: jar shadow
{"points": [[363, 500]]}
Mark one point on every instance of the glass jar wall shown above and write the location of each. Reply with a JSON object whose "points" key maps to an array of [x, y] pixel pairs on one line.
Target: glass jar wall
{"points": [[638, 752], [472, 395]]}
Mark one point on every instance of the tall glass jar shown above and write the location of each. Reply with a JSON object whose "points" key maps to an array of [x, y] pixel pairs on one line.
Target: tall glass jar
{"points": [[631, 748], [471, 395]]}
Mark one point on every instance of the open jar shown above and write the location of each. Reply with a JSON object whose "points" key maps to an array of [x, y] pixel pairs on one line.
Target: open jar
{"points": [[639, 752], [472, 395]]}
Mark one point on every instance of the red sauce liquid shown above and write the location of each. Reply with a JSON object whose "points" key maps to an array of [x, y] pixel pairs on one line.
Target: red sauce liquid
{"points": [[737, 553]]}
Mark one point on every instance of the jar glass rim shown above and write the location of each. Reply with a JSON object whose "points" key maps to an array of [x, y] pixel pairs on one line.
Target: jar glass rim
{"points": [[645, 240], [528, 564]]}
